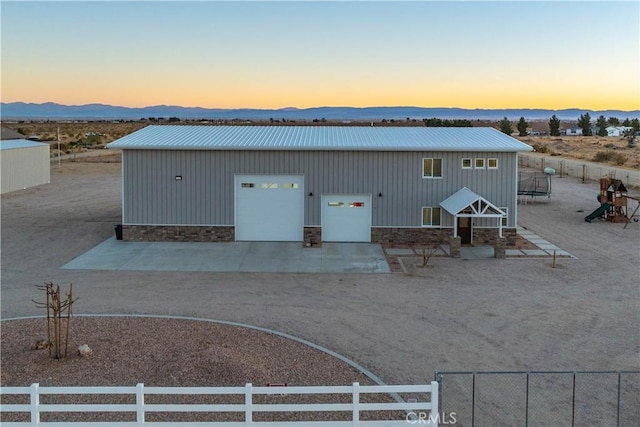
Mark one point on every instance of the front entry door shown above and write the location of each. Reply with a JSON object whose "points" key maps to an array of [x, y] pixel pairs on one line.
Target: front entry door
{"points": [[464, 230]]}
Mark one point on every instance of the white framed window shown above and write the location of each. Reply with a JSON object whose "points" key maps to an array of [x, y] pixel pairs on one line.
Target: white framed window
{"points": [[432, 168], [466, 163], [431, 217], [479, 163], [505, 219], [492, 163]]}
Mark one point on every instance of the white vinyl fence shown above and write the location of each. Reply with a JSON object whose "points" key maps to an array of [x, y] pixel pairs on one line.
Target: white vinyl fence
{"points": [[389, 409]]}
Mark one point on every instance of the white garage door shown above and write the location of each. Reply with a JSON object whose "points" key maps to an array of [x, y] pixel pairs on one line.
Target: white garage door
{"points": [[346, 218], [269, 208]]}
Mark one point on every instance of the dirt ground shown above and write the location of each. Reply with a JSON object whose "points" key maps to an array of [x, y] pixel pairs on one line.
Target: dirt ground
{"points": [[616, 151], [609, 150], [512, 314], [70, 132]]}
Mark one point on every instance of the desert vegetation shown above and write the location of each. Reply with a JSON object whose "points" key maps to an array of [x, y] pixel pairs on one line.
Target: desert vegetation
{"points": [[610, 150], [91, 133], [76, 137]]}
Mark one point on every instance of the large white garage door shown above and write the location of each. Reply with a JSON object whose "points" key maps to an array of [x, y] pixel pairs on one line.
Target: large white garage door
{"points": [[346, 218], [269, 208]]}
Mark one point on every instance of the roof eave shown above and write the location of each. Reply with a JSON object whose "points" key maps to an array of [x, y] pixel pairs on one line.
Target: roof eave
{"points": [[337, 148]]}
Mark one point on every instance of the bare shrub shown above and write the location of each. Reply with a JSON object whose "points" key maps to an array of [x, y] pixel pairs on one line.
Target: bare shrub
{"points": [[602, 156], [57, 310], [540, 148], [619, 159], [427, 254]]}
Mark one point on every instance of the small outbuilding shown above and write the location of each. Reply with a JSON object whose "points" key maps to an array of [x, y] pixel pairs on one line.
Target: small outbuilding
{"points": [[400, 185], [24, 164]]}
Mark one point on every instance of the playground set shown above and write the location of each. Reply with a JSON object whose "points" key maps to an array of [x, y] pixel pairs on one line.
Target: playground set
{"points": [[613, 200]]}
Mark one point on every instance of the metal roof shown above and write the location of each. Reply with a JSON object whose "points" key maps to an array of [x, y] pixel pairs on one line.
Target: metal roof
{"points": [[318, 138], [6, 133], [11, 144], [462, 199]]}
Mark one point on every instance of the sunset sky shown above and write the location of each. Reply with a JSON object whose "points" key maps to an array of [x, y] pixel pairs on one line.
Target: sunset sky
{"points": [[505, 54]]}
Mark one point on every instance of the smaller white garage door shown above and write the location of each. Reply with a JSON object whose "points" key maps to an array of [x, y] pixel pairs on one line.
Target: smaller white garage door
{"points": [[269, 208], [346, 218]]}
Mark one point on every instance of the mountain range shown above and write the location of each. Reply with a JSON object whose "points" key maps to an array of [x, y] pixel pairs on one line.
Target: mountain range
{"points": [[54, 111]]}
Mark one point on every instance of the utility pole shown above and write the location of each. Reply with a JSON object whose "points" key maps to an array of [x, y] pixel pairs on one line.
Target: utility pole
{"points": [[58, 148]]}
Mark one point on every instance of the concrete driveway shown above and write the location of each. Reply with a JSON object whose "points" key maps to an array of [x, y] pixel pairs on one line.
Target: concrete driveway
{"points": [[457, 314], [247, 257]]}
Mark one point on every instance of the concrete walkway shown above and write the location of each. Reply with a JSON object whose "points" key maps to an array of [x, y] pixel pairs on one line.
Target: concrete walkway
{"points": [[273, 257], [264, 257], [545, 248]]}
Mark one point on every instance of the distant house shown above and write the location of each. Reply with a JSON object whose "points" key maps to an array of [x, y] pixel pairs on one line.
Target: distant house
{"points": [[24, 164], [311, 184], [617, 130], [572, 131]]}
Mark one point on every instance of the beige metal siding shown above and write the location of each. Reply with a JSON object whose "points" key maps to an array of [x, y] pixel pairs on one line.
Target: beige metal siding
{"points": [[24, 167], [204, 196]]}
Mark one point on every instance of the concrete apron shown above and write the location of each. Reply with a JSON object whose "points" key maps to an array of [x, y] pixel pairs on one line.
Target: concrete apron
{"points": [[477, 252], [267, 257]]}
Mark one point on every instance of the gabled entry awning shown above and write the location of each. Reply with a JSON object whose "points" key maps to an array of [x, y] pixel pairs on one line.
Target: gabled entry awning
{"points": [[466, 203]]}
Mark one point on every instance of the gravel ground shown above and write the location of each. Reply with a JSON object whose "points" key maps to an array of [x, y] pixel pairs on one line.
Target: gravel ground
{"points": [[165, 352], [513, 314], [171, 353]]}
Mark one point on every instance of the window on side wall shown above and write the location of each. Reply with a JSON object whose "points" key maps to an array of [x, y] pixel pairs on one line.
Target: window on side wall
{"points": [[432, 168], [492, 163], [479, 163], [466, 163], [431, 217]]}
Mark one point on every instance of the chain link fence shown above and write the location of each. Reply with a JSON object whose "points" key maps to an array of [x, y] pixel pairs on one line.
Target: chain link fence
{"points": [[540, 398], [586, 171]]}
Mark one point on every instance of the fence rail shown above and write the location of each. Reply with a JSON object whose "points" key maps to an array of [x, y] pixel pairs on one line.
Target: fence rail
{"points": [[541, 398], [586, 171], [239, 406]]}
